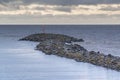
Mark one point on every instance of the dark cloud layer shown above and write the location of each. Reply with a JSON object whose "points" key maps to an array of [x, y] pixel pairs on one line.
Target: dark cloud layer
{"points": [[65, 2], [5, 1], [73, 2]]}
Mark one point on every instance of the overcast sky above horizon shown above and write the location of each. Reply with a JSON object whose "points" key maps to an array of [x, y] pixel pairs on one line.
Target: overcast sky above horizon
{"points": [[59, 11]]}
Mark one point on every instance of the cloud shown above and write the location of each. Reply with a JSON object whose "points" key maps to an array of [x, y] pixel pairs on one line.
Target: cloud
{"points": [[71, 2], [65, 10], [65, 2], [57, 10]]}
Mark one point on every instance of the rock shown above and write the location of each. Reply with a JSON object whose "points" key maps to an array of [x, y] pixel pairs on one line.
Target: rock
{"points": [[61, 45], [57, 47], [109, 55], [48, 36]]}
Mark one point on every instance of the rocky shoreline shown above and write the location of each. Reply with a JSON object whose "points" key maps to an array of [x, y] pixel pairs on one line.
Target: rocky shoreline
{"points": [[64, 46]]}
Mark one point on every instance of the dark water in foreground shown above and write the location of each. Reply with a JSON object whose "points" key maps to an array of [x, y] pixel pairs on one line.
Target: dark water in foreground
{"points": [[19, 60]]}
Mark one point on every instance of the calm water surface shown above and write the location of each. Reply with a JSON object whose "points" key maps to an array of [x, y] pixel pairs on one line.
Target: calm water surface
{"points": [[19, 60]]}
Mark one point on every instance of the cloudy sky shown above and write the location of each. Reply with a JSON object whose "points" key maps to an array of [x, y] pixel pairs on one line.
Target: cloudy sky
{"points": [[59, 11]]}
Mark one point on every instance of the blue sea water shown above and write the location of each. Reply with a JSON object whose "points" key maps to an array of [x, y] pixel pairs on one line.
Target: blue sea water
{"points": [[19, 60]]}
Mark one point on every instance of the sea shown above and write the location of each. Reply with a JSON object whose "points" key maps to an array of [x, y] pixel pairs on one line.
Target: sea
{"points": [[20, 61]]}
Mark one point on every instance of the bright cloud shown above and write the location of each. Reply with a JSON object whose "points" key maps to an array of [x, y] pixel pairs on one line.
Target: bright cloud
{"points": [[68, 11], [39, 9]]}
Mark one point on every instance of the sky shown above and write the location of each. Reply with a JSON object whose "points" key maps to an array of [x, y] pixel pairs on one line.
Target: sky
{"points": [[59, 11]]}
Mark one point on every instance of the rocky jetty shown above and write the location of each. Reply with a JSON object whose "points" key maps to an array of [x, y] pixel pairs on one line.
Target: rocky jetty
{"points": [[63, 46], [47, 36]]}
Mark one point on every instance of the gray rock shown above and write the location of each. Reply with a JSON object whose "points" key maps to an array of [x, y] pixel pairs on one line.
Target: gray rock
{"points": [[61, 45], [48, 36]]}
